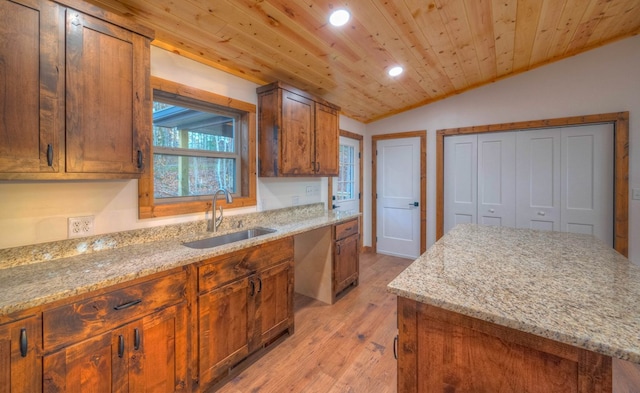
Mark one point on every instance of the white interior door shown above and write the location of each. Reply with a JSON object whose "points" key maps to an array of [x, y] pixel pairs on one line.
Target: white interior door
{"points": [[346, 186], [398, 196], [587, 181], [538, 179], [548, 179], [496, 179], [461, 178]]}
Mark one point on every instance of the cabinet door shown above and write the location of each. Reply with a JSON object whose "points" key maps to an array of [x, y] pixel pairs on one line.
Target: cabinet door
{"points": [[223, 330], [157, 351], [88, 366], [346, 262], [298, 136], [273, 302], [327, 140], [20, 361], [107, 125], [30, 56]]}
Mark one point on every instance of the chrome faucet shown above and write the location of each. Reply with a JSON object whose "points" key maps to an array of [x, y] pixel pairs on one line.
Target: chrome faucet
{"points": [[215, 221]]}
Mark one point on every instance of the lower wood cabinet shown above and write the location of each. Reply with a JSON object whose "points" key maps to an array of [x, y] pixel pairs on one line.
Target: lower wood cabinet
{"points": [[21, 355], [182, 330], [346, 253], [129, 340], [242, 309]]}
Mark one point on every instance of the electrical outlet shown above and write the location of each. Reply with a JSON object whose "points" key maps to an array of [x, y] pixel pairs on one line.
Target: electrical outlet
{"points": [[636, 194], [80, 226]]}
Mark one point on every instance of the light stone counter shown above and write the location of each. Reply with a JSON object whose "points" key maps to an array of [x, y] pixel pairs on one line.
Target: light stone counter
{"points": [[566, 287], [31, 276]]}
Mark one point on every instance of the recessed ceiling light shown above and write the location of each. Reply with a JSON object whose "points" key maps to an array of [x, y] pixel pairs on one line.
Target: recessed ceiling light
{"points": [[339, 17], [395, 71]]}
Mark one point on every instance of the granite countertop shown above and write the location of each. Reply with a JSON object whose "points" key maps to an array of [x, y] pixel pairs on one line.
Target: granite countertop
{"points": [[35, 275], [566, 287]]}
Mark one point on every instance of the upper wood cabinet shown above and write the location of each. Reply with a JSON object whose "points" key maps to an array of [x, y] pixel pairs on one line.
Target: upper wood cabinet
{"points": [[32, 82], [76, 101], [298, 133]]}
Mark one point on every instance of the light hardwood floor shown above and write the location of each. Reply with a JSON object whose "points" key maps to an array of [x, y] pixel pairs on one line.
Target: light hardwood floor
{"points": [[348, 347]]}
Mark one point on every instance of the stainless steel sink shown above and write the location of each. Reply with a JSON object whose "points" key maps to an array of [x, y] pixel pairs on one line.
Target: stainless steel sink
{"points": [[229, 238]]}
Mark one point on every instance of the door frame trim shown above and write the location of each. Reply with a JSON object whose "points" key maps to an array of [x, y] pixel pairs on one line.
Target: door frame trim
{"points": [[360, 139], [423, 184], [620, 121]]}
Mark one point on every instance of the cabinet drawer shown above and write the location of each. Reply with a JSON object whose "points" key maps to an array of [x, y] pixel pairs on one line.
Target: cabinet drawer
{"points": [[346, 229], [220, 270], [76, 321]]}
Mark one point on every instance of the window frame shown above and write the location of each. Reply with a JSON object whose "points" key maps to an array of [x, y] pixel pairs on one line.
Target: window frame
{"points": [[148, 207]]}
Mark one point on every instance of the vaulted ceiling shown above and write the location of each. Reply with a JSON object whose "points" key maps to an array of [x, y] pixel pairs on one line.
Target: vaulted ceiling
{"points": [[445, 46]]}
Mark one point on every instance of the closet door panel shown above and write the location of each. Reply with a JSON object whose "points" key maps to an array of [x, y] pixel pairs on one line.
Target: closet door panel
{"points": [[461, 177], [587, 181], [496, 179], [538, 179]]}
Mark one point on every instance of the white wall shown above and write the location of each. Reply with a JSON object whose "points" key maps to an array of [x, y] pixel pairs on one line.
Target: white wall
{"points": [[37, 211], [603, 80]]}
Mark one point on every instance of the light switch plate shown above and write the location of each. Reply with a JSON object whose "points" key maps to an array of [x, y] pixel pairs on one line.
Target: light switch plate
{"points": [[636, 194]]}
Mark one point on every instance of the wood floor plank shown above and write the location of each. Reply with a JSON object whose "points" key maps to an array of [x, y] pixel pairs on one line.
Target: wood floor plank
{"points": [[348, 346]]}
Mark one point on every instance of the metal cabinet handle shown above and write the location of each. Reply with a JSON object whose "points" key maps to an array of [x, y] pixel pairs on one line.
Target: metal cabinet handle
{"points": [[492, 211], [24, 343], [49, 155], [127, 305], [415, 204], [541, 213], [120, 346], [136, 339], [259, 284], [317, 167], [338, 250], [253, 288], [395, 347], [140, 160]]}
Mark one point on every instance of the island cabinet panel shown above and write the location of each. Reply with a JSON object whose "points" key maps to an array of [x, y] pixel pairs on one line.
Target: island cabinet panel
{"points": [[443, 351], [298, 133], [21, 355], [76, 102], [245, 301], [32, 69], [132, 339]]}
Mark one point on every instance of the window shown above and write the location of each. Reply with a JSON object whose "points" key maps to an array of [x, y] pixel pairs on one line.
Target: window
{"points": [[346, 178], [200, 143]]}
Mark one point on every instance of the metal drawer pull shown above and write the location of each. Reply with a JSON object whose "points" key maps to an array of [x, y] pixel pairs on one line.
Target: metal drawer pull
{"points": [[140, 160], [24, 344], [541, 213], [395, 347], [136, 339], [492, 211], [253, 288], [259, 285], [120, 346], [49, 155], [127, 305]]}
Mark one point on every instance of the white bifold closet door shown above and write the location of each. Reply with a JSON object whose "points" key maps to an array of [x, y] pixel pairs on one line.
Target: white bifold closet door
{"points": [[549, 179]]}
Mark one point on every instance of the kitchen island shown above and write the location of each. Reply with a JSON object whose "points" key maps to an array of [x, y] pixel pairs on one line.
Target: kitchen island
{"points": [[490, 309]]}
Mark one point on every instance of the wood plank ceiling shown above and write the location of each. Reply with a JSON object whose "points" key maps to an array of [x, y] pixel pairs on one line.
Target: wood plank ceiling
{"points": [[445, 46]]}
